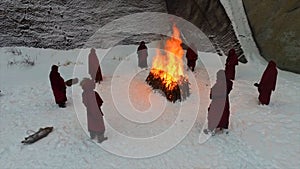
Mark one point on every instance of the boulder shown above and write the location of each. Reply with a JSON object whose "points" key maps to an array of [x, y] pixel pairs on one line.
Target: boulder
{"points": [[276, 28]]}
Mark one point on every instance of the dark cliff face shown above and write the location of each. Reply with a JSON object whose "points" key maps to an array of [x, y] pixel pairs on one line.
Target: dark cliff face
{"points": [[276, 28], [65, 24], [68, 24], [211, 18]]}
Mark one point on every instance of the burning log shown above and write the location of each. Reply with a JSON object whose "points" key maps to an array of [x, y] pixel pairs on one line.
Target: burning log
{"points": [[173, 90], [167, 72]]}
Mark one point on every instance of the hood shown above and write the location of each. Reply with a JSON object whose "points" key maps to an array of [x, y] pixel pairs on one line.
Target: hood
{"points": [[231, 52], [272, 64], [87, 85], [54, 68]]}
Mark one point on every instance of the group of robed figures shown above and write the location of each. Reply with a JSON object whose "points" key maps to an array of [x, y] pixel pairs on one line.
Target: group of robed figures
{"points": [[219, 108]]}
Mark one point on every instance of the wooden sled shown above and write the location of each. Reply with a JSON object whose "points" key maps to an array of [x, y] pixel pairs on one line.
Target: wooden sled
{"points": [[71, 82], [43, 132]]}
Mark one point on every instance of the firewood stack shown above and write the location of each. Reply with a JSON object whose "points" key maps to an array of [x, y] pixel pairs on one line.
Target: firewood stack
{"points": [[175, 91]]}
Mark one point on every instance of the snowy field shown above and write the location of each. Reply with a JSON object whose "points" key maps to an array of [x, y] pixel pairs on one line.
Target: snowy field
{"points": [[259, 136]]}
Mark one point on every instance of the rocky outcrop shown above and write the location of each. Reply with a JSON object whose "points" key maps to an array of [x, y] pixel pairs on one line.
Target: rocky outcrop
{"points": [[211, 17], [66, 24], [276, 29]]}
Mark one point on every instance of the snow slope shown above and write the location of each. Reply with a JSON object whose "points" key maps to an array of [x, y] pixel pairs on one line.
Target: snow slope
{"points": [[260, 136]]}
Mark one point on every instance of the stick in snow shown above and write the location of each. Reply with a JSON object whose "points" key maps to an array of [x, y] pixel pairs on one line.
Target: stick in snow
{"points": [[43, 132]]}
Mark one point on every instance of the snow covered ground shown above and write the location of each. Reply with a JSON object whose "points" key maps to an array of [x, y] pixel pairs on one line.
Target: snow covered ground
{"points": [[260, 136]]}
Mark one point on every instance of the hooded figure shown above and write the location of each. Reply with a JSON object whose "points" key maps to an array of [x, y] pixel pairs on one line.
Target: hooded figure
{"points": [[218, 111], [191, 56], [58, 87], [93, 103], [142, 52], [267, 83], [94, 67], [231, 62]]}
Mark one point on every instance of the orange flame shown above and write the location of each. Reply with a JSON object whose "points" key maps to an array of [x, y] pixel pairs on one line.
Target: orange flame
{"points": [[169, 66]]}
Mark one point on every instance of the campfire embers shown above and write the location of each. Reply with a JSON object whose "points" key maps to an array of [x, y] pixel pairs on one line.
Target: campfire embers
{"points": [[173, 90], [167, 72]]}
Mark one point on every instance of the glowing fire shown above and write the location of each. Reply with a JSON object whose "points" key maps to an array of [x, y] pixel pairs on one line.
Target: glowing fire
{"points": [[169, 66]]}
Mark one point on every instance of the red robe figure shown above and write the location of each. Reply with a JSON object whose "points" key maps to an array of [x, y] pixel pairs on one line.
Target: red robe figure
{"points": [[142, 52], [93, 103], [219, 109], [191, 56], [58, 87], [94, 67], [231, 62], [267, 83]]}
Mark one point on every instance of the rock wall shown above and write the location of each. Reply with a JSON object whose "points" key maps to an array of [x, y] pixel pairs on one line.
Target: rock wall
{"points": [[211, 17], [276, 28], [66, 24]]}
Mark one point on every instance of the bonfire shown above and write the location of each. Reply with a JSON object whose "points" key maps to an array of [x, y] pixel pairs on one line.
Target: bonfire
{"points": [[167, 71]]}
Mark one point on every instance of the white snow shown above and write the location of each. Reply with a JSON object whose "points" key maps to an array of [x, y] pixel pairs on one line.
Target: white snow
{"points": [[259, 136]]}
